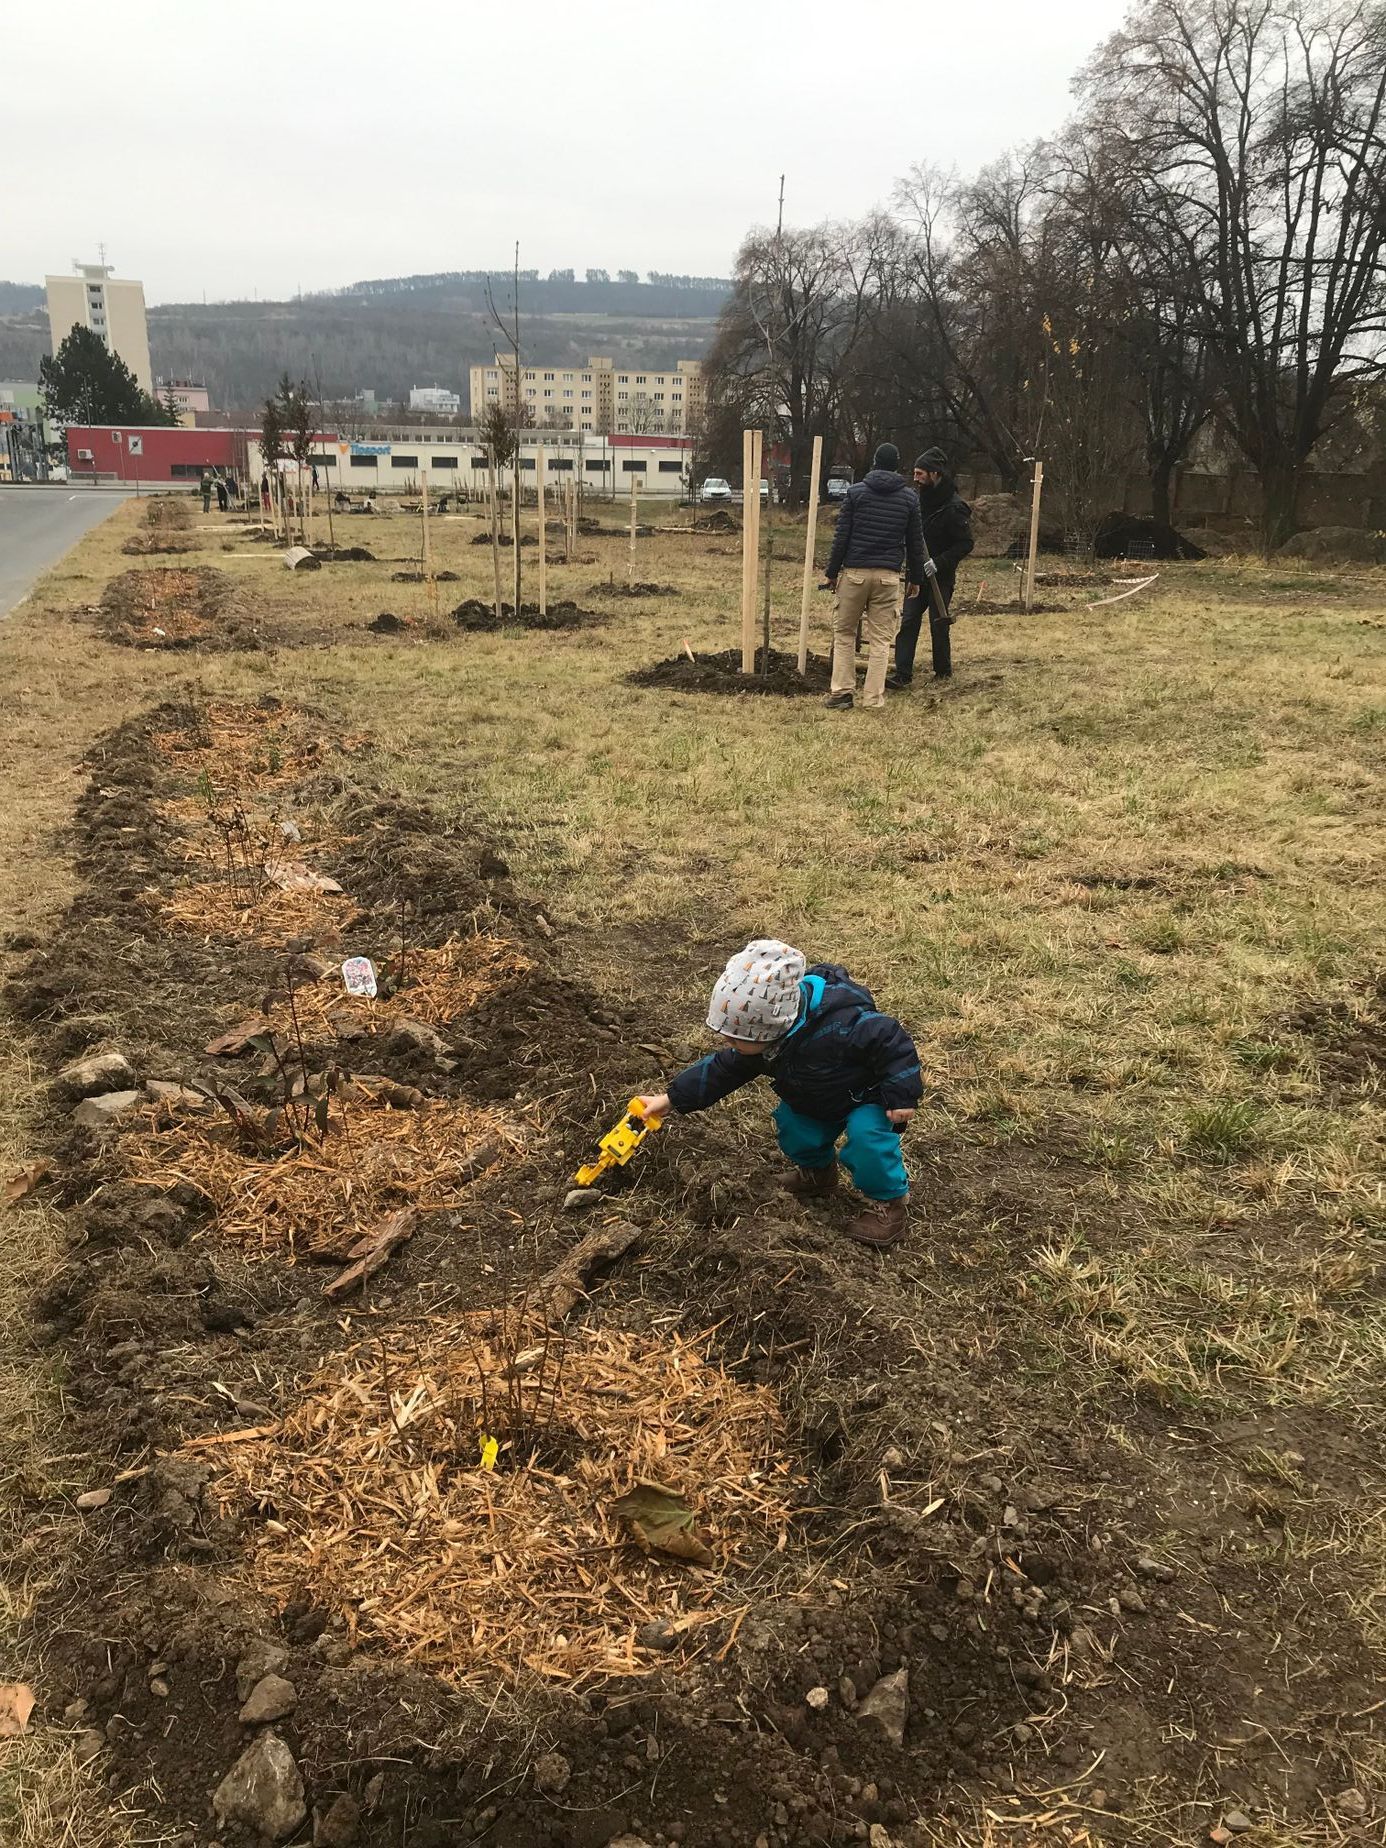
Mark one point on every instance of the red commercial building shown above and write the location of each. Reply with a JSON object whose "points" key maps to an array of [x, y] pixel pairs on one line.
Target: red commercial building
{"points": [[144, 452]]}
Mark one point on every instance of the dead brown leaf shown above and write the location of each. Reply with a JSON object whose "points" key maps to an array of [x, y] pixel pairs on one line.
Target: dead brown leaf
{"points": [[30, 1176], [16, 1704]]}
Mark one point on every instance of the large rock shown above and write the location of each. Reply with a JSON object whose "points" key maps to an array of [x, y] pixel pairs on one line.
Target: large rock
{"points": [[337, 1824], [263, 1790], [98, 1072], [1353, 545], [261, 1658], [888, 1704], [105, 1112]]}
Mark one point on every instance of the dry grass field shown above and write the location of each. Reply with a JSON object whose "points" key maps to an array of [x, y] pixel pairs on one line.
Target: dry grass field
{"points": [[1095, 1456]]}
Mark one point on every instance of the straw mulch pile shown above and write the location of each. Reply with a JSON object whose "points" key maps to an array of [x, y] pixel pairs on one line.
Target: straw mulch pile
{"points": [[319, 1201], [433, 986], [235, 744], [372, 1503], [222, 908]]}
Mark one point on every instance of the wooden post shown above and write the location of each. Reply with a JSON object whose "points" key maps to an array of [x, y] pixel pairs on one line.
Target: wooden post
{"points": [[634, 515], [541, 481], [749, 558], [493, 503], [428, 550], [1034, 537], [809, 540], [515, 533]]}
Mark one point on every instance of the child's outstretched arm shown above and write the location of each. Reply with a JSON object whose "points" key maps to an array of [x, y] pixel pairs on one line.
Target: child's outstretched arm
{"points": [[705, 1083]]}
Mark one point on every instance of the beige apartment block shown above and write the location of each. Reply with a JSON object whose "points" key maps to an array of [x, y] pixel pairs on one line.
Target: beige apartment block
{"points": [[110, 306], [599, 397]]}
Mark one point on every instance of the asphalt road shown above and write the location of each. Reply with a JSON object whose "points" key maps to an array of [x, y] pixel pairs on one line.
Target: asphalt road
{"points": [[37, 525]]}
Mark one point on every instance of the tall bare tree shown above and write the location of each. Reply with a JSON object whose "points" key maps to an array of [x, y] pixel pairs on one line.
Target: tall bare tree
{"points": [[1257, 144]]}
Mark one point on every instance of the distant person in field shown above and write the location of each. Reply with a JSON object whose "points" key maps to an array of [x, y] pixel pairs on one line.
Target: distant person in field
{"points": [[206, 491], [265, 506], [878, 530], [223, 495], [947, 521]]}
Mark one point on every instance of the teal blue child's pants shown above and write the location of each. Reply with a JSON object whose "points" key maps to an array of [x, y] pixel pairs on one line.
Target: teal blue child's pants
{"points": [[871, 1153]]}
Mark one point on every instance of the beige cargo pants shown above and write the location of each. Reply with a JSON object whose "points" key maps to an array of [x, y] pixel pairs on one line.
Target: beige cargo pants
{"points": [[871, 598]]}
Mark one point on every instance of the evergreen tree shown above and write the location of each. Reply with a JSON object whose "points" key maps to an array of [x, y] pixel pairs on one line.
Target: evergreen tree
{"points": [[85, 383]]}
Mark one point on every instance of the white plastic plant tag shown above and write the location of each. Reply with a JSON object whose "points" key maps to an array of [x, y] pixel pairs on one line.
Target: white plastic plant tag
{"points": [[358, 972]]}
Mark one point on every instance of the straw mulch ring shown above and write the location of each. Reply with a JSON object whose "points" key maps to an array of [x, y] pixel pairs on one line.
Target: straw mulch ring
{"points": [[320, 1201], [375, 1506], [237, 744], [260, 914], [166, 608], [436, 987]]}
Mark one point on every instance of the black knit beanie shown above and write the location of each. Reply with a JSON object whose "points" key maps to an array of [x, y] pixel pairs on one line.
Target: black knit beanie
{"points": [[934, 460], [887, 456]]}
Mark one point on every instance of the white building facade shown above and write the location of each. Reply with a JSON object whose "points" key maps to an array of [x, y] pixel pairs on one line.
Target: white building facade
{"points": [[110, 306]]}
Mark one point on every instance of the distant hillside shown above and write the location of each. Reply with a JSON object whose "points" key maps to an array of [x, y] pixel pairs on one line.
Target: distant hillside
{"points": [[395, 332], [20, 297]]}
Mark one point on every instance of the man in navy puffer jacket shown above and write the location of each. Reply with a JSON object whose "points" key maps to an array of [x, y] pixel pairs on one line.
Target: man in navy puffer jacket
{"points": [[841, 1070], [878, 530]]}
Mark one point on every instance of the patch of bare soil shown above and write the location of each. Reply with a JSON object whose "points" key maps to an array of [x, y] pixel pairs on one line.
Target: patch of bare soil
{"points": [[721, 673], [178, 607], [160, 539], [421, 577], [473, 615], [345, 554], [612, 589], [1347, 1036], [780, 1540]]}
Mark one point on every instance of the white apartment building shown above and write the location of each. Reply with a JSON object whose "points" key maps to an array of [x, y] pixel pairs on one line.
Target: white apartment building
{"points": [[599, 397], [111, 307], [394, 461], [434, 398]]}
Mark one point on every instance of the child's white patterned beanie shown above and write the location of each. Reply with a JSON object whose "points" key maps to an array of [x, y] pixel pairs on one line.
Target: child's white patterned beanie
{"points": [[757, 994]]}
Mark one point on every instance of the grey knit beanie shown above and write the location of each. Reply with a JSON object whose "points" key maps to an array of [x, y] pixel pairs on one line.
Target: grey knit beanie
{"points": [[887, 456], [757, 994], [934, 460]]}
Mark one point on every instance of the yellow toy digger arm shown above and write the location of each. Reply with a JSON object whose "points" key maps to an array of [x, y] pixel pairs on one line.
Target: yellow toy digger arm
{"points": [[619, 1144]]}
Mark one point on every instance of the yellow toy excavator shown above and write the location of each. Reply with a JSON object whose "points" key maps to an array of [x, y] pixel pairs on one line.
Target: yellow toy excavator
{"points": [[618, 1145]]}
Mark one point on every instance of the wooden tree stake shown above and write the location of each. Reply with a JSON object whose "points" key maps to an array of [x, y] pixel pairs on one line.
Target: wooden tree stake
{"points": [[634, 515], [809, 540], [541, 476], [1034, 538], [428, 549], [749, 558], [515, 531], [493, 500]]}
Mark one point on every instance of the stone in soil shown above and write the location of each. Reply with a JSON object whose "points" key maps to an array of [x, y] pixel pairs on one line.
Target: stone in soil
{"points": [[261, 1658], [98, 1073], [177, 1096], [888, 1704], [337, 1824], [270, 1699], [105, 1112], [263, 1790], [551, 1773], [577, 1197]]}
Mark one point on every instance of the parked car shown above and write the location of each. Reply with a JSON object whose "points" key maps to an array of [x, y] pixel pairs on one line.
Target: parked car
{"points": [[764, 489], [839, 480], [58, 471], [715, 489]]}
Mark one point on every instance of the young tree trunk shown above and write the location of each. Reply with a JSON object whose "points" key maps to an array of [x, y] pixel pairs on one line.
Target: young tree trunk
{"points": [[1161, 498], [1279, 503]]}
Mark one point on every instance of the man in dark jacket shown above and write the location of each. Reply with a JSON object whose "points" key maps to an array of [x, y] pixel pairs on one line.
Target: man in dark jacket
{"points": [[878, 530], [947, 522], [841, 1070]]}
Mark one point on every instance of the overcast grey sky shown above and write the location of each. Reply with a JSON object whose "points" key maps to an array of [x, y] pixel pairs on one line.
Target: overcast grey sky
{"points": [[243, 147]]}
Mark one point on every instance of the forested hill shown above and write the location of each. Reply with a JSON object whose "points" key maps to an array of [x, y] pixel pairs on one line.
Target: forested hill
{"points": [[389, 334]]}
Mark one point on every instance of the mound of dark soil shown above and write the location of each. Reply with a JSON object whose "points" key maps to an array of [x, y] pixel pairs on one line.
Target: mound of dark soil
{"points": [[718, 521], [177, 607], [477, 617], [721, 673], [158, 539], [345, 554], [613, 589], [1128, 535], [1337, 545], [165, 513], [420, 577], [387, 623]]}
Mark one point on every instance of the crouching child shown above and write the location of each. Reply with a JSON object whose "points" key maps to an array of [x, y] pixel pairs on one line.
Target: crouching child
{"points": [[844, 1074]]}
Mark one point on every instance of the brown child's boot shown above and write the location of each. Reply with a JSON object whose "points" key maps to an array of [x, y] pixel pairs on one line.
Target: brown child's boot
{"points": [[882, 1223], [813, 1183]]}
